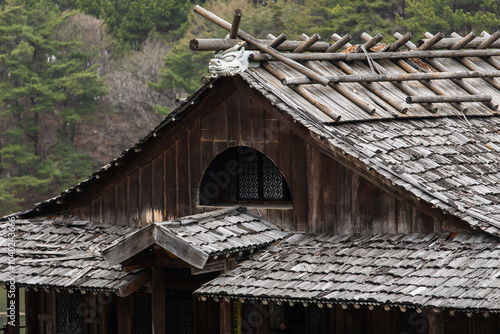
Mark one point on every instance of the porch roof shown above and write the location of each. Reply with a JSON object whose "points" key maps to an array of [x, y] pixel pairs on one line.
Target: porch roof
{"points": [[62, 253], [460, 272], [194, 239]]}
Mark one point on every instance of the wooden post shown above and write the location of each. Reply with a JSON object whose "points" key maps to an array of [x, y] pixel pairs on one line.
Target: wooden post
{"points": [[435, 322], [225, 316], [125, 314], [158, 299], [12, 310], [236, 24], [31, 302]]}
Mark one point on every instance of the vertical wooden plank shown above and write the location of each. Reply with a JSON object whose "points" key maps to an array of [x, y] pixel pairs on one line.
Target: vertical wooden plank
{"points": [[339, 319], [375, 215], [90, 306], [329, 186], [207, 145], [435, 322], [285, 152], [404, 217], [109, 207], [158, 184], [134, 199], [87, 211], [170, 183], [31, 302], [314, 190], [359, 203], [344, 197], [183, 184], [272, 151], [96, 210], [158, 299], [220, 128], [121, 202], [285, 164], [271, 137], [259, 131], [146, 212], [389, 214], [213, 316], [195, 171], [51, 306], [125, 315], [225, 316], [233, 118], [423, 222], [246, 124], [299, 166]]}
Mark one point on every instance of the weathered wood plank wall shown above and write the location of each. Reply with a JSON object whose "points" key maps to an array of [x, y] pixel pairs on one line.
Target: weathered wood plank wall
{"points": [[162, 181]]}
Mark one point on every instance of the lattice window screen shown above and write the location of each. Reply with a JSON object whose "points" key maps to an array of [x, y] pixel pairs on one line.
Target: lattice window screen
{"points": [[70, 317], [142, 314], [249, 177], [272, 180], [179, 312]]}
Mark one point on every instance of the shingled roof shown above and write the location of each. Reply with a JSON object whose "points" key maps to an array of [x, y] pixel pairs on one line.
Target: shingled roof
{"points": [[425, 118], [61, 253], [420, 271], [194, 239]]}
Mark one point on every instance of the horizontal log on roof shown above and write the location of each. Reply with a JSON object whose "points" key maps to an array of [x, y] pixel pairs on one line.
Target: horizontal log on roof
{"points": [[380, 55], [447, 43], [448, 98], [395, 77], [218, 44]]}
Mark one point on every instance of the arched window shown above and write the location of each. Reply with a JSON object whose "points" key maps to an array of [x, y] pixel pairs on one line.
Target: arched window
{"points": [[243, 175]]}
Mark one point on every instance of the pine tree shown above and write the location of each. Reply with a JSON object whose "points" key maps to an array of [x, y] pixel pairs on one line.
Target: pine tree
{"points": [[40, 76]]}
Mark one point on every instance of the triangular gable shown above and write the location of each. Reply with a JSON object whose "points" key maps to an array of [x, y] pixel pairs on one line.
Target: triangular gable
{"points": [[194, 239]]}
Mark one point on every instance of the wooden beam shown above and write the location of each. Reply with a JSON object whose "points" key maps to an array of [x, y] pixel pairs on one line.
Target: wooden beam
{"points": [[131, 246], [235, 26], [125, 313], [380, 55], [225, 316], [447, 43], [158, 300], [436, 325], [142, 280], [339, 43], [307, 44], [400, 42], [395, 77], [32, 308], [278, 41], [150, 235], [219, 44], [448, 98]]}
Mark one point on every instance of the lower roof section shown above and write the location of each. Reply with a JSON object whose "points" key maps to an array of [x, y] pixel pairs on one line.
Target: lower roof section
{"points": [[460, 272], [59, 253], [194, 239]]}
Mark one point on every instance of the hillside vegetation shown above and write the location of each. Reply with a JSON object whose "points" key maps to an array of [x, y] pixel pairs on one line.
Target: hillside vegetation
{"points": [[81, 80]]}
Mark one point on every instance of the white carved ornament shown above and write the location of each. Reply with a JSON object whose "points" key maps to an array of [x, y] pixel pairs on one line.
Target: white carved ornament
{"points": [[229, 62]]}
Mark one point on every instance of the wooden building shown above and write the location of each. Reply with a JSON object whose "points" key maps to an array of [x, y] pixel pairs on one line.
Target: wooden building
{"points": [[349, 189]]}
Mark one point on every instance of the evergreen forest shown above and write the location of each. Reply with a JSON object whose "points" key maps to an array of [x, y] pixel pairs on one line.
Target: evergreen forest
{"points": [[81, 80]]}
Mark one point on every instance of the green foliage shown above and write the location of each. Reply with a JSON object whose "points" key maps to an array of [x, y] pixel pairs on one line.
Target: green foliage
{"points": [[41, 76], [132, 21], [161, 110]]}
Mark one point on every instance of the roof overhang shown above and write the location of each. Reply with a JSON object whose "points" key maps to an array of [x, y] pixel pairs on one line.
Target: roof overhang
{"points": [[150, 236], [419, 271]]}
